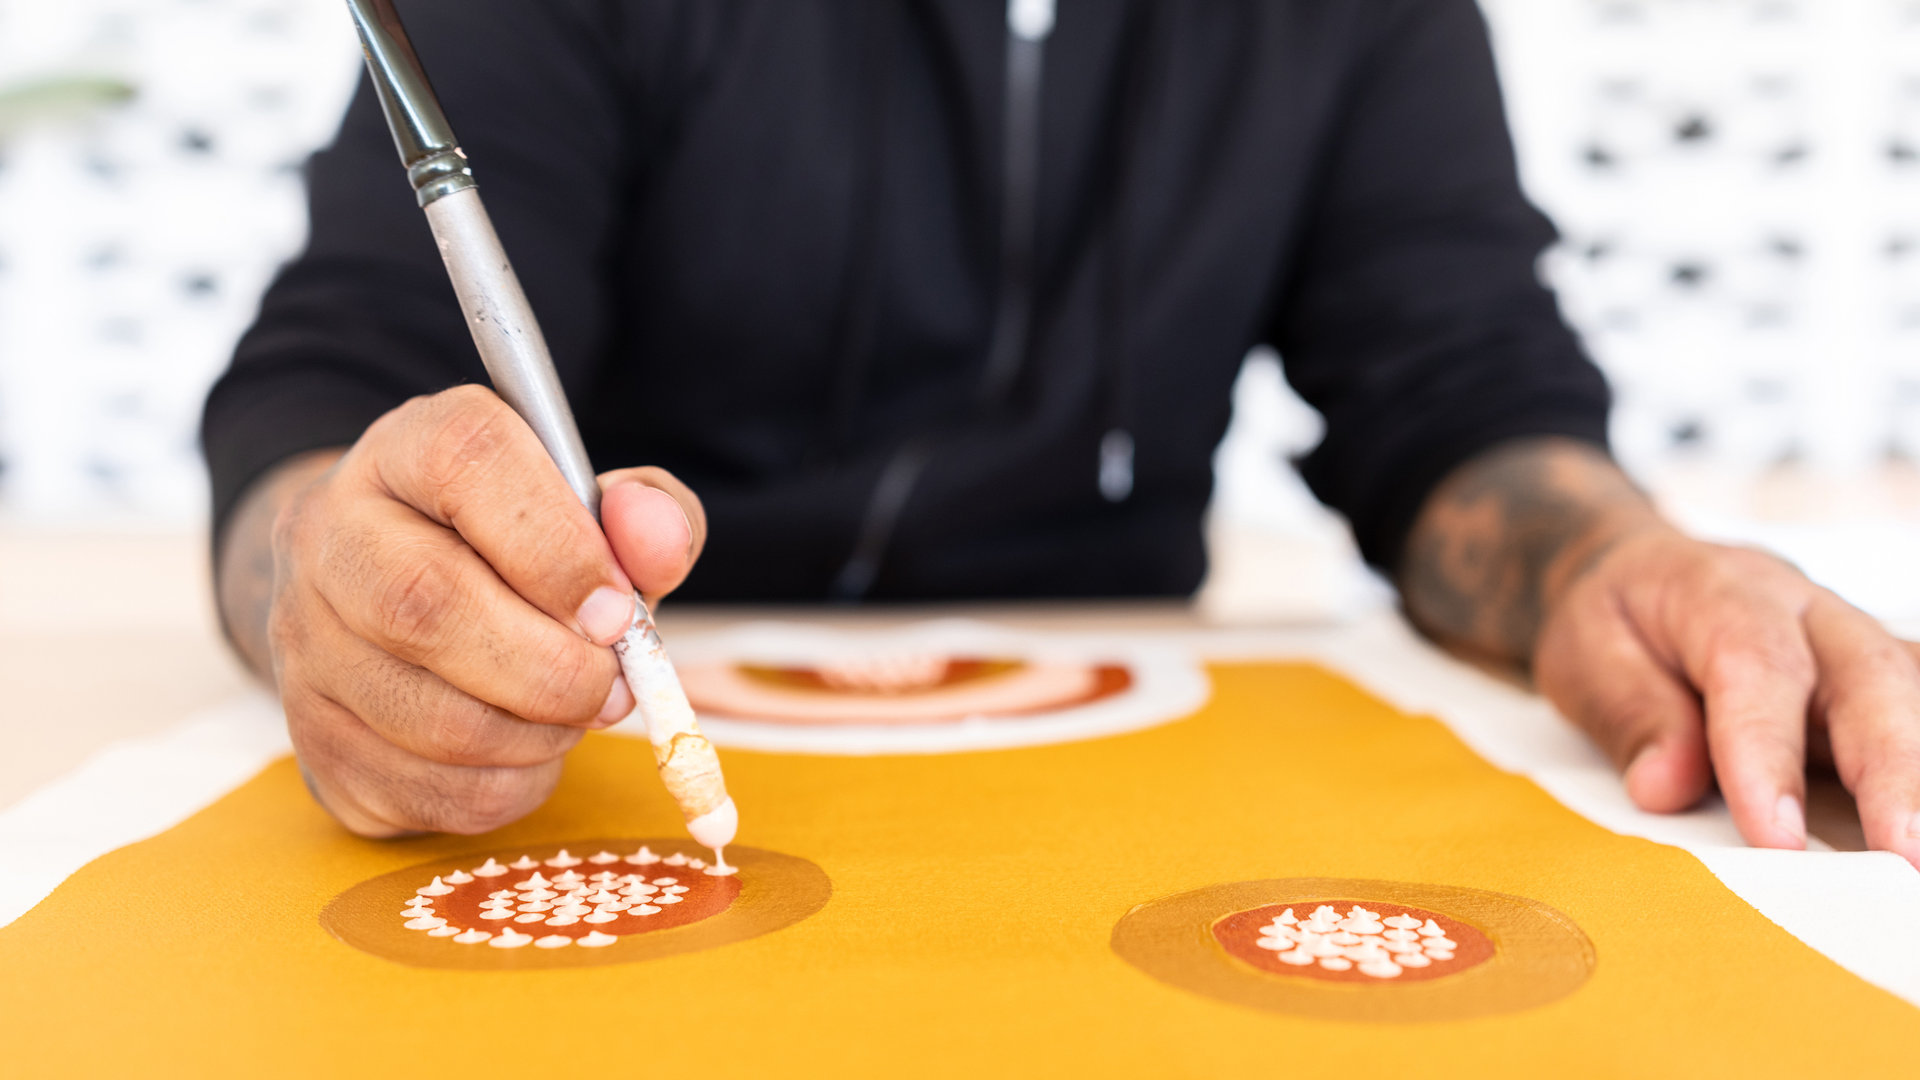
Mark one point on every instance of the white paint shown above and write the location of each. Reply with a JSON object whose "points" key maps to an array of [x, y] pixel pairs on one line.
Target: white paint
{"points": [[1372, 952], [717, 827]]}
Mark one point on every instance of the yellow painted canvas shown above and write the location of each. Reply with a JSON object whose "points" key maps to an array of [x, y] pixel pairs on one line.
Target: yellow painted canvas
{"points": [[1054, 910]]}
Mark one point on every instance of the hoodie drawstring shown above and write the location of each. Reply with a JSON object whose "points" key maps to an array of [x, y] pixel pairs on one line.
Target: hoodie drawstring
{"points": [[1029, 24]]}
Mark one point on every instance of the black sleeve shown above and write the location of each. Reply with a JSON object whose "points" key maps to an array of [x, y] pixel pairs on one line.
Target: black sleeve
{"points": [[1416, 321], [365, 317]]}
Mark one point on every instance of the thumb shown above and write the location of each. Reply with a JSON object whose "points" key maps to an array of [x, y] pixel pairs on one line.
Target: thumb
{"points": [[1594, 664], [655, 524]]}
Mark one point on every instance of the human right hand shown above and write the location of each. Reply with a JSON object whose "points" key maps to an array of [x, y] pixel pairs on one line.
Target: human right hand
{"points": [[441, 607]]}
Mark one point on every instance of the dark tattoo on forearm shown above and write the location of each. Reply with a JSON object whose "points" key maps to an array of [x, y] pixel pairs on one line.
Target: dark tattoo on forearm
{"points": [[1505, 528]]}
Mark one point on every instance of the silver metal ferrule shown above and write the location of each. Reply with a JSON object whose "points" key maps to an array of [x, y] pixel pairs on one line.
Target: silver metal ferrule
{"points": [[421, 133], [504, 329], [439, 175]]}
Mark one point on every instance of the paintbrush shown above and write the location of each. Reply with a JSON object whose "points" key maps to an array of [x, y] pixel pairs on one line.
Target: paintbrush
{"points": [[516, 358]]}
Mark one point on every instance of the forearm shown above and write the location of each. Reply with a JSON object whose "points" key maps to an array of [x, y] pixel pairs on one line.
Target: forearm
{"points": [[243, 574], [1506, 533]]}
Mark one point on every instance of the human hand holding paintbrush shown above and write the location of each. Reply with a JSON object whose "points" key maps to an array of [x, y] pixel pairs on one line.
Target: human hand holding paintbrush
{"points": [[495, 481], [435, 605]]}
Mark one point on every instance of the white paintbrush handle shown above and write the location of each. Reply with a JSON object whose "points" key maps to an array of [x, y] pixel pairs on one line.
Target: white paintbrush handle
{"points": [[515, 353], [688, 764]]}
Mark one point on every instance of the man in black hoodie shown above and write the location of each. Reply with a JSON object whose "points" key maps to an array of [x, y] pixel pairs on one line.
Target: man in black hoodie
{"points": [[940, 299]]}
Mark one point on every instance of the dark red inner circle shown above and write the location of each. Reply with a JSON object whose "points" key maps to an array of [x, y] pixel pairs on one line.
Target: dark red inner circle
{"points": [[706, 896]]}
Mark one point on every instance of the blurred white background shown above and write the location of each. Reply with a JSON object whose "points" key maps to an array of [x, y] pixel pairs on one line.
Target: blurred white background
{"points": [[1738, 182]]}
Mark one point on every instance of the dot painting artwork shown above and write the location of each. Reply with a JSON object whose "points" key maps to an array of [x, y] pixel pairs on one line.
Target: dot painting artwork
{"points": [[1113, 906], [927, 688], [624, 900], [899, 688], [1354, 950]]}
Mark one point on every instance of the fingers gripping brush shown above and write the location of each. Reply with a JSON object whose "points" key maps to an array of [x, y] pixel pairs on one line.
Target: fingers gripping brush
{"points": [[516, 358]]}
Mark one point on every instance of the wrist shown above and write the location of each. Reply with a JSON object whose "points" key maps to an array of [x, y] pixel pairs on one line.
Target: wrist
{"points": [[1506, 534], [1584, 549], [244, 568]]}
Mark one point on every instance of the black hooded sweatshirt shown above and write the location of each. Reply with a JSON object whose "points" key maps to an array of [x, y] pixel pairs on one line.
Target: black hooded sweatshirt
{"points": [[929, 299]]}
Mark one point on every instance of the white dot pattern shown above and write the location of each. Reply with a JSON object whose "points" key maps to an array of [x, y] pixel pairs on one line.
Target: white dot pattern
{"points": [[1377, 947]]}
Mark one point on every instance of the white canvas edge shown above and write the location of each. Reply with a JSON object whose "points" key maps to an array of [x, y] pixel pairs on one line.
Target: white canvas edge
{"points": [[132, 790]]}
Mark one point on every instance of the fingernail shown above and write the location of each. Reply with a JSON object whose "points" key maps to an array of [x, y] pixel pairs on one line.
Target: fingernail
{"points": [[619, 704], [1635, 775], [685, 519], [606, 614], [1790, 819], [1908, 846]]}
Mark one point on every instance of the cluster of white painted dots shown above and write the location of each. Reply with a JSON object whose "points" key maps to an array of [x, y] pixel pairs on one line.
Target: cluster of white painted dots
{"points": [[568, 898], [1382, 948]]}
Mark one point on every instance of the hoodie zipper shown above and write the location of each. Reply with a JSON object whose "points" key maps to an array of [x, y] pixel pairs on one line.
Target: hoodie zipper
{"points": [[1029, 23]]}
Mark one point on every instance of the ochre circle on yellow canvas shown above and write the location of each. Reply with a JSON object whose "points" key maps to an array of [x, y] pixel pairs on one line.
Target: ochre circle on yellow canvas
{"points": [[1506, 953], [579, 903]]}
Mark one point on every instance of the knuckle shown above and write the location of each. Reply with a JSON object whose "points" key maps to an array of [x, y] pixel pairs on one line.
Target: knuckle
{"points": [[485, 799], [473, 733], [306, 727], [459, 733], [1769, 657], [470, 428], [414, 600], [565, 692]]}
